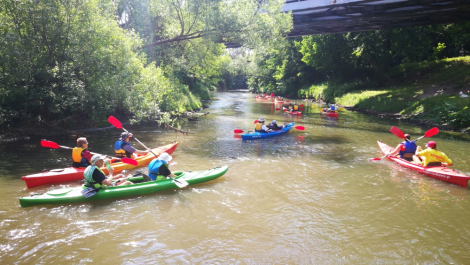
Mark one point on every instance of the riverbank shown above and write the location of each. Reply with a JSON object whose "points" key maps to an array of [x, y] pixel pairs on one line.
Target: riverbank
{"points": [[425, 93]]}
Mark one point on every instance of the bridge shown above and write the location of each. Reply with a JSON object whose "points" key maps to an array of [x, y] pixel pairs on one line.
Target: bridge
{"points": [[340, 16]]}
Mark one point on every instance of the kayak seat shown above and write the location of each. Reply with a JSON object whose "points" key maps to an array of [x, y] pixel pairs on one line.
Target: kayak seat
{"points": [[434, 164]]}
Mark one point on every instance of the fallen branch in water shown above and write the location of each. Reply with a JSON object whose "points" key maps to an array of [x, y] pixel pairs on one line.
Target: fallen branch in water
{"points": [[176, 129]]}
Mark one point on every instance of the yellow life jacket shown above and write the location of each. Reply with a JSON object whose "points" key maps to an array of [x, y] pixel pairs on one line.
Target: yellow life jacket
{"points": [[296, 107], [258, 126], [77, 154]]}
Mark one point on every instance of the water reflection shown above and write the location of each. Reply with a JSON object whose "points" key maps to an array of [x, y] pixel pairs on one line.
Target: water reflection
{"points": [[304, 197]]}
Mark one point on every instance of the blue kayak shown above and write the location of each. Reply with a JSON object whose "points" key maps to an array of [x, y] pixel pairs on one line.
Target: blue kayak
{"points": [[259, 135]]}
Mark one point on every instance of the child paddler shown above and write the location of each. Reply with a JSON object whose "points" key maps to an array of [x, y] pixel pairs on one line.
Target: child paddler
{"points": [[159, 168], [123, 148], [80, 155]]}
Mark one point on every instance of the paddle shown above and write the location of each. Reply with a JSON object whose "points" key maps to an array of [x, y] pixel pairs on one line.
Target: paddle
{"points": [[429, 133], [237, 131], [400, 134], [116, 123], [377, 158], [397, 132], [53, 145]]}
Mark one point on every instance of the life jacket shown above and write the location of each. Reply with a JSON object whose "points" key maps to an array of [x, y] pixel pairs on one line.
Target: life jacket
{"points": [[89, 181], [410, 148], [333, 108], [290, 107], [120, 152], [296, 107], [258, 127], [78, 160], [154, 166]]}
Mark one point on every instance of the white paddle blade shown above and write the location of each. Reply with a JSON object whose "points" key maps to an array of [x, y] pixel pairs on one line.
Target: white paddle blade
{"points": [[180, 183]]}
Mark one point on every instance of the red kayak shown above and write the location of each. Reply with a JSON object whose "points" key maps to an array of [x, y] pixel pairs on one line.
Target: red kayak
{"points": [[72, 173], [330, 114], [438, 172]]}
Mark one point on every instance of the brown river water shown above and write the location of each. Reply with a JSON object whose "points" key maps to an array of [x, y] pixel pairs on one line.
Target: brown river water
{"points": [[307, 197]]}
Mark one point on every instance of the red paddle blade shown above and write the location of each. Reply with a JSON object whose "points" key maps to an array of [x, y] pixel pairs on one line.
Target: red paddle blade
{"points": [[301, 105], [278, 109], [256, 121], [115, 122], [431, 132], [49, 144], [237, 131], [397, 132], [300, 128], [129, 161], [287, 100], [374, 159]]}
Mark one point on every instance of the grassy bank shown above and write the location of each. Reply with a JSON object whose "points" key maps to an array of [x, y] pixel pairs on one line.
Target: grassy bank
{"points": [[425, 92]]}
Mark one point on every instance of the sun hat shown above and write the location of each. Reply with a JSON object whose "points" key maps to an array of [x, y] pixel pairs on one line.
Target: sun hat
{"points": [[274, 121], [97, 158], [261, 119], [165, 157], [124, 136], [431, 144]]}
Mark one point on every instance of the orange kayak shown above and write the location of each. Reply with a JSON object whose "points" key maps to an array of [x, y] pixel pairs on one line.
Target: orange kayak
{"points": [[72, 173]]}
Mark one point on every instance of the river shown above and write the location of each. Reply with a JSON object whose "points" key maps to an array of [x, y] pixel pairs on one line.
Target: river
{"points": [[307, 197]]}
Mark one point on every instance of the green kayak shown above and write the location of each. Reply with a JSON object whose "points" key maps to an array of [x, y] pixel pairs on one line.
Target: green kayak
{"points": [[74, 195]]}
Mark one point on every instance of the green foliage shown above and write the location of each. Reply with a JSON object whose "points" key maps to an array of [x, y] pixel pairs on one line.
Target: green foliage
{"points": [[73, 63]]}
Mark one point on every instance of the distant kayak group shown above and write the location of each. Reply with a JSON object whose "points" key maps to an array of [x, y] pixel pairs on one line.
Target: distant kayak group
{"points": [[99, 173], [430, 162]]}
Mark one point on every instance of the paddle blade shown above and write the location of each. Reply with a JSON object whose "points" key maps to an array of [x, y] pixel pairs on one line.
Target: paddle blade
{"points": [[397, 132], [300, 128], [180, 183], [287, 100], [431, 132], [237, 131], [278, 108], [301, 105], [341, 109], [256, 121], [129, 161], [115, 122], [49, 144], [374, 159]]}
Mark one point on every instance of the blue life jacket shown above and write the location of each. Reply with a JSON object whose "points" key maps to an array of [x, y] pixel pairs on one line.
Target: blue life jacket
{"points": [[333, 108], [120, 152], [154, 166], [410, 148]]}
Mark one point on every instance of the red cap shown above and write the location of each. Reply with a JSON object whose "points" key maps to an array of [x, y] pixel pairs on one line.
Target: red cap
{"points": [[431, 144]]}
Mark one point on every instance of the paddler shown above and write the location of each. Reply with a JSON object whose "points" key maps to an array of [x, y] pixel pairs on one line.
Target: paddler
{"points": [[430, 156], [95, 177], [406, 149], [273, 126], [123, 148], [296, 107], [159, 168], [332, 108], [260, 127], [80, 155]]}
